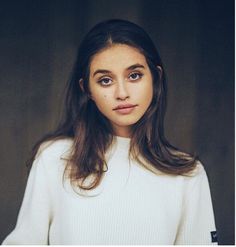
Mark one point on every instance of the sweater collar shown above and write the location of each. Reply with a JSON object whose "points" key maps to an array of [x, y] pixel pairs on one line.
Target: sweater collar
{"points": [[122, 143]]}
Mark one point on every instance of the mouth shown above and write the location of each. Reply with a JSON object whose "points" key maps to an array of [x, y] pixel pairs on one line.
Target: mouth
{"points": [[124, 106], [124, 109]]}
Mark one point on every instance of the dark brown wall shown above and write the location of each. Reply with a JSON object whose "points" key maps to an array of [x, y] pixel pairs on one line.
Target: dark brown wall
{"points": [[38, 42]]}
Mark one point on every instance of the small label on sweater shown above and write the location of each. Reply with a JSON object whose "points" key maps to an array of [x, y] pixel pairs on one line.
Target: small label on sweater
{"points": [[214, 237]]}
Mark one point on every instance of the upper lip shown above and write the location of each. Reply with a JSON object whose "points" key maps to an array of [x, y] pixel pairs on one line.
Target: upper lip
{"points": [[122, 106]]}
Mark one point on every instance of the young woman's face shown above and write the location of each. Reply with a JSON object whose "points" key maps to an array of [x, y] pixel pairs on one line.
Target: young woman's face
{"points": [[121, 86]]}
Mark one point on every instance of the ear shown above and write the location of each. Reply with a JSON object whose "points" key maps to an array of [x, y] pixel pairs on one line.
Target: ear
{"points": [[159, 68], [81, 84]]}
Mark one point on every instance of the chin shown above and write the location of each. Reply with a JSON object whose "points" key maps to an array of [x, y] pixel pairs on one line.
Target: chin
{"points": [[126, 123]]}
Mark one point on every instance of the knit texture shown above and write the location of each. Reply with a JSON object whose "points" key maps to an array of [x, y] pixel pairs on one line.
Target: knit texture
{"points": [[131, 206]]}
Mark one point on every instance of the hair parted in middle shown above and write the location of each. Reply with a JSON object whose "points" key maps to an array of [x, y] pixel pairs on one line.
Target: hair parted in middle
{"points": [[91, 131]]}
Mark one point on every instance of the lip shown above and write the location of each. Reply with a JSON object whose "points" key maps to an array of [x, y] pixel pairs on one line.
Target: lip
{"points": [[124, 109], [122, 106]]}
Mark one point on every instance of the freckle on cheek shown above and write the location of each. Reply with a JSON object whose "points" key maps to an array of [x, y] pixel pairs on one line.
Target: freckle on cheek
{"points": [[104, 96]]}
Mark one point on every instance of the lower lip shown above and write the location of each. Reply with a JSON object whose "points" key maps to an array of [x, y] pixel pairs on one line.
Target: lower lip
{"points": [[125, 110]]}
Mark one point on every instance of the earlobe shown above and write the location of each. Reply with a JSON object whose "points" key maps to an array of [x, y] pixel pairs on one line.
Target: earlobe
{"points": [[81, 84], [90, 96], [160, 70]]}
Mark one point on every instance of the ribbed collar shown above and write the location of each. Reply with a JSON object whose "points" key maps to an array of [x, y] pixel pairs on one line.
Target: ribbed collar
{"points": [[122, 143]]}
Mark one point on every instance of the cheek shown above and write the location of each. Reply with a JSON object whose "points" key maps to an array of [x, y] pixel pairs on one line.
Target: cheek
{"points": [[144, 92], [100, 99], [149, 89]]}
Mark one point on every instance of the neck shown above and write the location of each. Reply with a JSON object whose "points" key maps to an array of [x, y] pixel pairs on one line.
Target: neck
{"points": [[122, 131]]}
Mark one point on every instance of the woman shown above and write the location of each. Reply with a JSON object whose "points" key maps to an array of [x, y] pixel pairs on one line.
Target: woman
{"points": [[107, 175]]}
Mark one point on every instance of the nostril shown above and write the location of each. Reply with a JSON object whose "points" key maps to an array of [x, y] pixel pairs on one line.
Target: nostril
{"points": [[122, 94], [122, 98]]}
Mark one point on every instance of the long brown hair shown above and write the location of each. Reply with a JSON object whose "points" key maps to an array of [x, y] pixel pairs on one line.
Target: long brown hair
{"points": [[92, 133]]}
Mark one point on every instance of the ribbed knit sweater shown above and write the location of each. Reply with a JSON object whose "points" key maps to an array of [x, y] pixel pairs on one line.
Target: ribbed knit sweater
{"points": [[131, 205]]}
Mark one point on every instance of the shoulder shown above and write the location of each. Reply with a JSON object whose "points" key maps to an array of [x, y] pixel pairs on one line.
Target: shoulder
{"points": [[54, 153], [197, 178], [52, 148], [199, 171], [51, 159]]}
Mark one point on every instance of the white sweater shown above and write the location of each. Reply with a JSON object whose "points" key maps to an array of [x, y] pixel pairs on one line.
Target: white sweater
{"points": [[133, 205]]}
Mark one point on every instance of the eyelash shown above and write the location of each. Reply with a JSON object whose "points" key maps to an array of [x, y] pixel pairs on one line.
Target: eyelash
{"points": [[140, 75]]}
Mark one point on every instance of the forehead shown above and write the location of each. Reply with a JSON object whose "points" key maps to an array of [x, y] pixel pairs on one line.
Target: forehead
{"points": [[117, 57]]}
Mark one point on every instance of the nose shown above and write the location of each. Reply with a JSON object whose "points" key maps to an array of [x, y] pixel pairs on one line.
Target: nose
{"points": [[121, 91]]}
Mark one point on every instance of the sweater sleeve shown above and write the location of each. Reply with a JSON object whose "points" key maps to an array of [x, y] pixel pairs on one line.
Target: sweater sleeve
{"points": [[197, 225], [34, 216]]}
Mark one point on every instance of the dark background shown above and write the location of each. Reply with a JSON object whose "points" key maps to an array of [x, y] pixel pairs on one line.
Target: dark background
{"points": [[38, 43]]}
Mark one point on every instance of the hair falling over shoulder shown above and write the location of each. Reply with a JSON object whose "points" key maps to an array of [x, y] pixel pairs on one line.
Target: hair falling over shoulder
{"points": [[92, 133]]}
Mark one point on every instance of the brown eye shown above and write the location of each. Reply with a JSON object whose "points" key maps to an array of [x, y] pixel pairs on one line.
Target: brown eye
{"points": [[105, 81], [135, 76]]}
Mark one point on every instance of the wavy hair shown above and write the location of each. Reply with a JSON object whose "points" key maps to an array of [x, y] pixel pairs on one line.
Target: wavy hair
{"points": [[92, 133]]}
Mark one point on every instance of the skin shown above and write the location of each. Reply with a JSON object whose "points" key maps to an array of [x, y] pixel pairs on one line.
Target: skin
{"points": [[120, 75]]}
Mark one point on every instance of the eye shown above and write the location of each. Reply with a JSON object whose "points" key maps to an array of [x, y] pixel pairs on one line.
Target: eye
{"points": [[105, 81], [135, 76]]}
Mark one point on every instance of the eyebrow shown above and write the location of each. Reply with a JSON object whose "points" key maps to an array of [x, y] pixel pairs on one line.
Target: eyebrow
{"points": [[132, 67]]}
